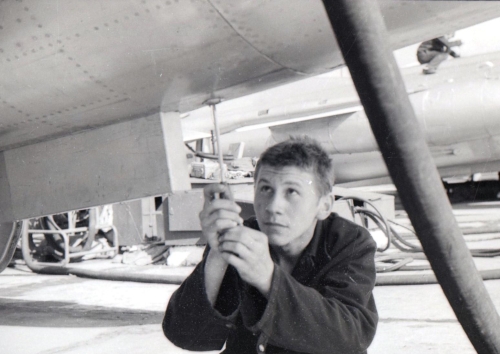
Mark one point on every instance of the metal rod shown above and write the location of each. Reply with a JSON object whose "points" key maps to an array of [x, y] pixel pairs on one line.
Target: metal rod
{"points": [[365, 45], [219, 150], [213, 137], [66, 231]]}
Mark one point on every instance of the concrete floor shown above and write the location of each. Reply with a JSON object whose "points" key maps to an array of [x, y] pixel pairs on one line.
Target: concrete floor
{"points": [[46, 314], [64, 314]]}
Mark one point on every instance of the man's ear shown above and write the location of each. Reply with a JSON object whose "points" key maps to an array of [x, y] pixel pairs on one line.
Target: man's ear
{"points": [[325, 206]]}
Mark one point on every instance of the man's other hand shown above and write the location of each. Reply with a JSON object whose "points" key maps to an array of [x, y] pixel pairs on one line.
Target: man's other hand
{"points": [[248, 251], [218, 214]]}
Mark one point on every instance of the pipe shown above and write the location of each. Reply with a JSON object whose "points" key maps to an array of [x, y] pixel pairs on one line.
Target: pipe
{"points": [[364, 42], [126, 276], [424, 278]]}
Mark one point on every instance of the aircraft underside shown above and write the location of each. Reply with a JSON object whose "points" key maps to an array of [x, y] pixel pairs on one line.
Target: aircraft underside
{"points": [[93, 91]]}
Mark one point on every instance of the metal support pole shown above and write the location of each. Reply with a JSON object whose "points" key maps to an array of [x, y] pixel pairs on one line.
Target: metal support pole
{"points": [[212, 102], [219, 150], [365, 45]]}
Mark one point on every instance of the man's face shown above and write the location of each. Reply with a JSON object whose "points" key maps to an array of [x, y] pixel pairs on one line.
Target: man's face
{"points": [[287, 204]]}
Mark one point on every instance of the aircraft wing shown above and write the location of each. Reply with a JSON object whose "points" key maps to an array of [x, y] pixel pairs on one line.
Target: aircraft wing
{"points": [[457, 109], [83, 82], [68, 66]]}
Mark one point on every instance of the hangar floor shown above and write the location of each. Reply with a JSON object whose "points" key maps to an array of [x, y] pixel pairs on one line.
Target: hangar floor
{"points": [[48, 314]]}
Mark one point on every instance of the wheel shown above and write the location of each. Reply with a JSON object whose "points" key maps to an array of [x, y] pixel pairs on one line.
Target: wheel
{"points": [[10, 232]]}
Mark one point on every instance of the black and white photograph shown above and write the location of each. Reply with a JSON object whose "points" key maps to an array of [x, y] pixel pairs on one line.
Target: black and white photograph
{"points": [[249, 176]]}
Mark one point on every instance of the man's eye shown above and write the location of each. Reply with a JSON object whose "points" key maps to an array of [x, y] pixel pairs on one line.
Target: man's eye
{"points": [[265, 189], [292, 191]]}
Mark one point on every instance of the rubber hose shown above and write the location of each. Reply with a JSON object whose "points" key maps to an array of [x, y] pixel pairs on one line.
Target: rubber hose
{"points": [[427, 278]]}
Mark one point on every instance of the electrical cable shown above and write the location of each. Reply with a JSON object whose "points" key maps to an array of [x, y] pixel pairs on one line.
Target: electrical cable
{"points": [[408, 252]]}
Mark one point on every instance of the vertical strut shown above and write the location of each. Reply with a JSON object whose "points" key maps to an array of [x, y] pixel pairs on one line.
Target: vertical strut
{"points": [[217, 138], [364, 42]]}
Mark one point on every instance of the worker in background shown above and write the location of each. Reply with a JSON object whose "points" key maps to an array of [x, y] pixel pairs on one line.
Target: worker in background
{"points": [[435, 51], [294, 279]]}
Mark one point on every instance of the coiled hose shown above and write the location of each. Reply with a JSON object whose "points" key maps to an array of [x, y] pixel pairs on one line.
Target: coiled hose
{"points": [[407, 251]]}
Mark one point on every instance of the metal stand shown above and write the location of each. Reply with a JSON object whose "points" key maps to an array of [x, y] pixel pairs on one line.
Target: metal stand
{"points": [[66, 233]]}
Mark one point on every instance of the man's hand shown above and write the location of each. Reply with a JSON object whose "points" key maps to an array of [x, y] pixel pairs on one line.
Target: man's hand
{"points": [[248, 251], [218, 214]]}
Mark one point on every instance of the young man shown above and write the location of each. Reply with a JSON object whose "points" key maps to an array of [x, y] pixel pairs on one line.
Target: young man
{"points": [[295, 279]]}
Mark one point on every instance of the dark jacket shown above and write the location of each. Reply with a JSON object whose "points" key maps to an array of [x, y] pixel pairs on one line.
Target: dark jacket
{"points": [[325, 306], [441, 45]]}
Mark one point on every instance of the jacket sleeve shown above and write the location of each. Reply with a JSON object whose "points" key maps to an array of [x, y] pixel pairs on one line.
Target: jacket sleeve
{"points": [[191, 322], [337, 315]]}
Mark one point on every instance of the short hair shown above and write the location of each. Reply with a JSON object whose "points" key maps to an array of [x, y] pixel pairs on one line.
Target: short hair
{"points": [[302, 152]]}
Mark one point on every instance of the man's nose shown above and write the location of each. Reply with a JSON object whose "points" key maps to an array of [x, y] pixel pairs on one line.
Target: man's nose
{"points": [[275, 204]]}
